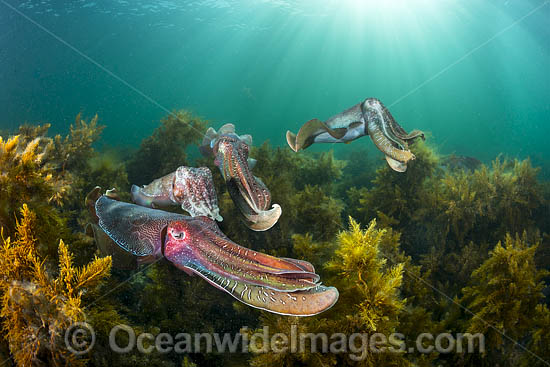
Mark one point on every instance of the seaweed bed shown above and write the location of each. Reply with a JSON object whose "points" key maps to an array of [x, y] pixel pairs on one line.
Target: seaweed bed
{"points": [[437, 249]]}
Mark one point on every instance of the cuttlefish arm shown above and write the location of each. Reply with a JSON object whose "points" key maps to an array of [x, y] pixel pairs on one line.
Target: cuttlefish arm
{"points": [[189, 187], [388, 136], [310, 298], [255, 219], [197, 245], [249, 193]]}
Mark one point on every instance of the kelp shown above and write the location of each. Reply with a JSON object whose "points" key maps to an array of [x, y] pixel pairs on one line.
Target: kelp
{"points": [[366, 277], [312, 202], [49, 174], [74, 150], [359, 172], [370, 302], [539, 346], [36, 307], [301, 169], [398, 196], [26, 176], [504, 293], [166, 149], [485, 204]]}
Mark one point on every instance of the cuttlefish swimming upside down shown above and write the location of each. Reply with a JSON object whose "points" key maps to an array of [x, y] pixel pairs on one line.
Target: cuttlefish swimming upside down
{"points": [[196, 245], [369, 117]]}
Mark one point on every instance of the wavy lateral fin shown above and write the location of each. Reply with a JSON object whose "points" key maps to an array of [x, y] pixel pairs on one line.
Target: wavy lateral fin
{"points": [[107, 247]]}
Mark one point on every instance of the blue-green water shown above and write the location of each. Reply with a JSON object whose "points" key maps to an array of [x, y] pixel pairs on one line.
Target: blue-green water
{"points": [[472, 73]]}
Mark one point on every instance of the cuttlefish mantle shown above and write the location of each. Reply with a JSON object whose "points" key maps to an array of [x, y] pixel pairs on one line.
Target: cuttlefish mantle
{"points": [[369, 117]]}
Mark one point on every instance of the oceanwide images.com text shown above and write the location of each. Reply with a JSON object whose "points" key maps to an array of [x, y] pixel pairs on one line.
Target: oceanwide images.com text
{"points": [[80, 339]]}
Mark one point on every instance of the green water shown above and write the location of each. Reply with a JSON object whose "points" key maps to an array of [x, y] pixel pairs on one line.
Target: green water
{"points": [[474, 74]]}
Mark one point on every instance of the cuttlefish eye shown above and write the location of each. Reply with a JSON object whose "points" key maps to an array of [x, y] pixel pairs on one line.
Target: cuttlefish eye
{"points": [[178, 234]]}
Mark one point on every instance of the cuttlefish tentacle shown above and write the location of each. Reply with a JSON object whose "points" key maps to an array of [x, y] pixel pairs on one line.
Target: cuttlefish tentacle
{"points": [[386, 146], [300, 303], [197, 245], [377, 128], [191, 188]]}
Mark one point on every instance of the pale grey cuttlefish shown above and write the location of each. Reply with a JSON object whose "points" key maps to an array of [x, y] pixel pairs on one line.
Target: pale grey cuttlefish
{"points": [[369, 117]]}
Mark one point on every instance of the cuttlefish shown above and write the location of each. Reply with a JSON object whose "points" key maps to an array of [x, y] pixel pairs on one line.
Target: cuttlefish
{"points": [[248, 192], [369, 117], [196, 245], [189, 187]]}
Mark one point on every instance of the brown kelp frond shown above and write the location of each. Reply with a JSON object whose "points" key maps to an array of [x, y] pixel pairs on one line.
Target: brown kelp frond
{"points": [[36, 307], [166, 149], [25, 172], [540, 339], [74, 150], [369, 302], [312, 202], [505, 291], [358, 264]]}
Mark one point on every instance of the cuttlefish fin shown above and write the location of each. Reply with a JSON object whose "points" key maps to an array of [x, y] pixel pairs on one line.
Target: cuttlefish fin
{"points": [[205, 147], [107, 247], [91, 198], [227, 129], [396, 165], [252, 163], [291, 140], [307, 302], [247, 139]]}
